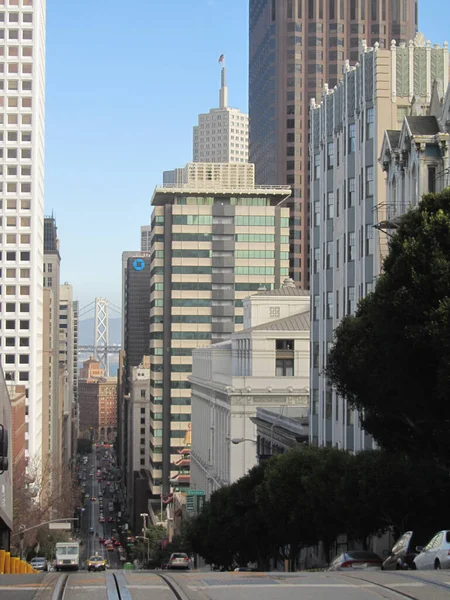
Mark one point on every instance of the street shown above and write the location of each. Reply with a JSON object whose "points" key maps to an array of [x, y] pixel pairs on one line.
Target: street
{"points": [[90, 517], [122, 585]]}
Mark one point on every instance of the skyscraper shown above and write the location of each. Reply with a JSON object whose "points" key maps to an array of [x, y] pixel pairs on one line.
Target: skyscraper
{"points": [[52, 415], [22, 118], [213, 243], [296, 46], [221, 135]]}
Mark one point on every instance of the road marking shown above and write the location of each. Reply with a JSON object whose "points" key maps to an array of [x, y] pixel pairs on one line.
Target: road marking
{"points": [[86, 587], [281, 585], [148, 587], [21, 588], [395, 585]]}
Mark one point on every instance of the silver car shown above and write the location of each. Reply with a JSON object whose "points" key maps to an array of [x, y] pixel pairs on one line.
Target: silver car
{"points": [[39, 563], [178, 560], [436, 554]]}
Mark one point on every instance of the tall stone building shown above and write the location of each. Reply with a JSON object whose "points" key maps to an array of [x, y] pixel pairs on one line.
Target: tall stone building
{"points": [[51, 408], [388, 88], [296, 46], [215, 240]]}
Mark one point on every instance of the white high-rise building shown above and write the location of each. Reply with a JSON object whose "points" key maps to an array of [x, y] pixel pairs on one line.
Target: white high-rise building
{"points": [[222, 134], [22, 116]]}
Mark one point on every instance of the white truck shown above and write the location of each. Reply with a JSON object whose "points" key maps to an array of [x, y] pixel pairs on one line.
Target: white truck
{"points": [[67, 556]]}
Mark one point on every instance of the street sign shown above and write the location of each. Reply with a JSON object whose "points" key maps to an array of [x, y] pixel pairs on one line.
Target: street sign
{"points": [[195, 493], [190, 503], [60, 526]]}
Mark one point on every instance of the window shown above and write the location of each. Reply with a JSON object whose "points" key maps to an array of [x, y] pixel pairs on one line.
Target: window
{"points": [[316, 265], [351, 305], [329, 263], [369, 181], [316, 307], [316, 213], [316, 166], [337, 253], [351, 138], [315, 353], [351, 192], [284, 367], [330, 205], [337, 304], [338, 200], [330, 155], [431, 180], [329, 305], [328, 404], [370, 123], [351, 246], [369, 240]]}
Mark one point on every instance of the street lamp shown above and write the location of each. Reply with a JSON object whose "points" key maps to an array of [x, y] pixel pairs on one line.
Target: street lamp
{"points": [[236, 441], [144, 519]]}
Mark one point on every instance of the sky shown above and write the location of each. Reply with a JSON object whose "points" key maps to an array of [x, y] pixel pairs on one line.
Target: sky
{"points": [[125, 84]]}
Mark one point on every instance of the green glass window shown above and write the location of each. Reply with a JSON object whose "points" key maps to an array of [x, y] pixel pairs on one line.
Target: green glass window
{"points": [[191, 270], [191, 318], [180, 417], [158, 433], [191, 335], [181, 401], [178, 433], [284, 255], [191, 237], [158, 416], [191, 302], [181, 368], [239, 319], [192, 219], [284, 239], [191, 253], [284, 222], [254, 270], [255, 221], [252, 287], [157, 400], [255, 254], [188, 285], [181, 351], [159, 220], [257, 237]]}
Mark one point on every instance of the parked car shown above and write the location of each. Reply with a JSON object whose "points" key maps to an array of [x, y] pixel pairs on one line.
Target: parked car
{"points": [[245, 569], [356, 559], [178, 560], [436, 554], [91, 530], [39, 563], [402, 555]]}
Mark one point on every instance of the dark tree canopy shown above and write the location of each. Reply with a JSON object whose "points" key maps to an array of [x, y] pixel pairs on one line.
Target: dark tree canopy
{"points": [[391, 360]]}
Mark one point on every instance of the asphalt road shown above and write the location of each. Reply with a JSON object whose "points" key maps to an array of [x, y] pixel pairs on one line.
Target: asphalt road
{"points": [[156, 585], [90, 517]]}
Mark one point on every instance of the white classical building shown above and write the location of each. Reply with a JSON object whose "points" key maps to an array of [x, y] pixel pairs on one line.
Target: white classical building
{"points": [[222, 134], [22, 119], [416, 157], [264, 365]]}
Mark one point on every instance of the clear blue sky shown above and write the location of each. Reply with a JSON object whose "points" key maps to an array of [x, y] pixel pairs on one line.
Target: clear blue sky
{"points": [[125, 83]]}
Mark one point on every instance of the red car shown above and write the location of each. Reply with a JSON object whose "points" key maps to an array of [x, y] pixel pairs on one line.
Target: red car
{"points": [[117, 543], [111, 520], [101, 540], [101, 519]]}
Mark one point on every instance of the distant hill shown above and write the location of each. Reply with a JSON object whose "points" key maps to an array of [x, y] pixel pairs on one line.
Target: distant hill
{"points": [[86, 331]]}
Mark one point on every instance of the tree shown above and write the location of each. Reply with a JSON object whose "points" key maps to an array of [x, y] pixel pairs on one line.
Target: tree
{"points": [[391, 360]]}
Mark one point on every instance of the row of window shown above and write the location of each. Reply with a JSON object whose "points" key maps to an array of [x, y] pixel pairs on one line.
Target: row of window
{"points": [[345, 303], [174, 401], [365, 244]]}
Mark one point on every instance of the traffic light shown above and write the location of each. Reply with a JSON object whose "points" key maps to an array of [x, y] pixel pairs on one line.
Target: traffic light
{"points": [[3, 449]]}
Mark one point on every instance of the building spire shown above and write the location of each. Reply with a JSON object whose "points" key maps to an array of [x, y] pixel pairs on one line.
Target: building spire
{"points": [[223, 94]]}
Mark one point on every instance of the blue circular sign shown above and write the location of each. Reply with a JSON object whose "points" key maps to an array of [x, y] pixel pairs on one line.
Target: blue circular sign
{"points": [[138, 264]]}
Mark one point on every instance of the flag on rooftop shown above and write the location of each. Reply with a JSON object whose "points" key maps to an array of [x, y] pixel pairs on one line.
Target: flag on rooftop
{"points": [[221, 58]]}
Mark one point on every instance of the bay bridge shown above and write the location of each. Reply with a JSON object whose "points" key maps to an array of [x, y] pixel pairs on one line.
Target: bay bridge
{"points": [[101, 349]]}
